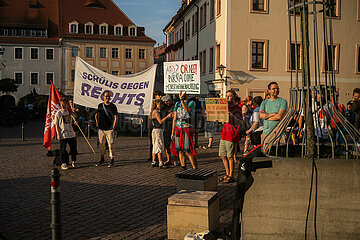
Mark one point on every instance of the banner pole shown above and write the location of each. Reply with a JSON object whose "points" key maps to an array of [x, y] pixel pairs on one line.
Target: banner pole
{"points": [[83, 134]]}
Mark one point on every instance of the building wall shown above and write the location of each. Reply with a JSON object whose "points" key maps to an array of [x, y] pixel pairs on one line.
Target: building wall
{"points": [[26, 66], [273, 27]]}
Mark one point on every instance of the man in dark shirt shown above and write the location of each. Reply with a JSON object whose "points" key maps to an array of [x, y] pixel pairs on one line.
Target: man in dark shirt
{"points": [[106, 120], [353, 109]]}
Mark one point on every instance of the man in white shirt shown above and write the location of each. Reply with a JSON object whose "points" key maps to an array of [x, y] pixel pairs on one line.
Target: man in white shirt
{"points": [[65, 134]]}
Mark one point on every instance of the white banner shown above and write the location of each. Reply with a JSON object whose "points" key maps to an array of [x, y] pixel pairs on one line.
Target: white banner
{"points": [[131, 94], [182, 76]]}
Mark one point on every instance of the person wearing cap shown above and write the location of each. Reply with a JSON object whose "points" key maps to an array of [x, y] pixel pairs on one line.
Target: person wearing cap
{"points": [[182, 131], [168, 108]]}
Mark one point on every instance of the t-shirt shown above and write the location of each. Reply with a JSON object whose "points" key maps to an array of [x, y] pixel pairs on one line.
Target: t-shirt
{"points": [[64, 121], [255, 117], [106, 121], [182, 117], [231, 129], [272, 107]]}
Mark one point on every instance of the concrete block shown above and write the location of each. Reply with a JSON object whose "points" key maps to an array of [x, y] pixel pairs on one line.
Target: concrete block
{"points": [[197, 180], [192, 212]]}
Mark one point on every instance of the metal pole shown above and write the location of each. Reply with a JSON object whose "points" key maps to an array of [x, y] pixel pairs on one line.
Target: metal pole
{"points": [[22, 132], [141, 127], [55, 204], [89, 134]]}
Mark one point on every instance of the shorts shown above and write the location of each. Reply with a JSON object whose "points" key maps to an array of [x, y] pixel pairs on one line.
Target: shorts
{"points": [[198, 121], [209, 129], [167, 138], [226, 148]]}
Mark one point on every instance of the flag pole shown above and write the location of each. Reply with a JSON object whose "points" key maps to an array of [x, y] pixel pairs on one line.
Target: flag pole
{"points": [[83, 134]]}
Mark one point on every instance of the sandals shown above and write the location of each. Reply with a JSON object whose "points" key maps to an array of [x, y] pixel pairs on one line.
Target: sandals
{"points": [[224, 178], [229, 180]]}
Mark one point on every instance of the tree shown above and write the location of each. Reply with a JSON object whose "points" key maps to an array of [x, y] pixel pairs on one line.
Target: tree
{"points": [[8, 85]]}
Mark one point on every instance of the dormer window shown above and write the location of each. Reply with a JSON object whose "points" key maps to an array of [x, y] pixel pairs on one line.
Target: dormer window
{"points": [[73, 27], [89, 28], [132, 31], [118, 30], [103, 29]]}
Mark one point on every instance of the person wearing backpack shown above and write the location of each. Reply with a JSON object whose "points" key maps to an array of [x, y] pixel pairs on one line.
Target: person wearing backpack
{"points": [[106, 119]]}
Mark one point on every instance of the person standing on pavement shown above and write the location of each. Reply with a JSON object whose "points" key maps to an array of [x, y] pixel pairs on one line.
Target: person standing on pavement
{"points": [[168, 108], [272, 110], [65, 134], [230, 137], [106, 119], [182, 131]]}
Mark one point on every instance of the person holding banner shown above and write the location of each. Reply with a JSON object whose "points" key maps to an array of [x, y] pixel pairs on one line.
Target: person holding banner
{"points": [[230, 137], [65, 134], [182, 131], [106, 120]]}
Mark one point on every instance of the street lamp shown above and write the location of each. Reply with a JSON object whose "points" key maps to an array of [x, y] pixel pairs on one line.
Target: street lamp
{"points": [[221, 69]]}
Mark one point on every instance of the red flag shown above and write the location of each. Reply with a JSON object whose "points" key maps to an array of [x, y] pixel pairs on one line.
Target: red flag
{"points": [[52, 108]]}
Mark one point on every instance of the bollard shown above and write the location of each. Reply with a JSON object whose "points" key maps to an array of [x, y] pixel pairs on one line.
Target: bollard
{"points": [[89, 134], [55, 204], [22, 132]]}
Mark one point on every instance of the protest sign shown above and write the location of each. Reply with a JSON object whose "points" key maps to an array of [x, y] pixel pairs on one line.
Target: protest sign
{"points": [[217, 109], [131, 94], [182, 76]]}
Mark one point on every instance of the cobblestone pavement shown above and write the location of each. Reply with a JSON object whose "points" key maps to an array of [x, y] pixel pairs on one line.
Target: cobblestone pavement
{"points": [[125, 202]]}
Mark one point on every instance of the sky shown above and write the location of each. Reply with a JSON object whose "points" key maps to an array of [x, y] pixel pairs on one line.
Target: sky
{"points": [[154, 15]]}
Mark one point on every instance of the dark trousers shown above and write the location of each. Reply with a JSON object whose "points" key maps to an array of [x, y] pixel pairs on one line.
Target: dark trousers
{"points": [[73, 149]]}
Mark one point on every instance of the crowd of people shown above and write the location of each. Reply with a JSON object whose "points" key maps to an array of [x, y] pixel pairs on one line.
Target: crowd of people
{"points": [[174, 126]]}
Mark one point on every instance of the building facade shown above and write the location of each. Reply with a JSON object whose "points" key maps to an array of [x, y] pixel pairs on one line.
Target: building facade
{"points": [[42, 39], [251, 39]]}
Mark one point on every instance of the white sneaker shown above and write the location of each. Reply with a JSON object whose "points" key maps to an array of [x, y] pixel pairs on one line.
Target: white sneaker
{"points": [[161, 164], [64, 166]]}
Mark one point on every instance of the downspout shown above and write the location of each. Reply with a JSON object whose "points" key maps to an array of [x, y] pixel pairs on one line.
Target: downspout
{"points": [[197, 33], [164, 32]]}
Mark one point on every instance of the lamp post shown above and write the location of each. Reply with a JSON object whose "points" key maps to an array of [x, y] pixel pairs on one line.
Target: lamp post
{"points": [[221, 69]]}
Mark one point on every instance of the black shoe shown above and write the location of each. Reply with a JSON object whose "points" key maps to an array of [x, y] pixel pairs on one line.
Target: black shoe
{"points": [[100, 163], [111, 164]]}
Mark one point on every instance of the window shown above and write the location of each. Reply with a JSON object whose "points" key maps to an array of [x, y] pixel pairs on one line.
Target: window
{"points": [[297, 9], [258, 55], [176, 36], [218, 7], [89, 52], [141, 53], [217, 62], [73, 27], [203, 62], [115, 73], [103, 29], [187, 29], [34, 78], [203, 16], [132, 31], [128, 52], [358, 10], [118, 30], [74, 51], [49, 78], [128, 72], [115, 53], [334, 9], [18, 76], [195, 23], [72, 75], [259, 6], [89, 28], [212, 10], [34, 53], [331, 58], [294, 56], [103, 52], [211, 60], [18, 53], [49, 54]]}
